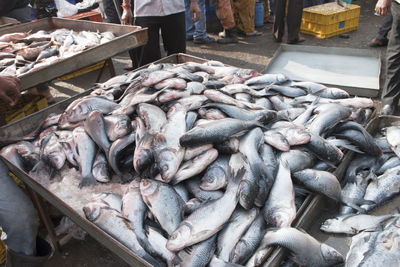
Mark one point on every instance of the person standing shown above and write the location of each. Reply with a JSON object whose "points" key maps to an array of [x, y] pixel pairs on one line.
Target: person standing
{"points": [[391, 92], [292, 16], [224, 12], [244, 17], [196, 31], [167, 16]]}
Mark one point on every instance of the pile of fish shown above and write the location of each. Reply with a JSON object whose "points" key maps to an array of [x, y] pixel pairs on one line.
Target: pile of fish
{"points": [[216, 160], [24, 52], [373, 181]]}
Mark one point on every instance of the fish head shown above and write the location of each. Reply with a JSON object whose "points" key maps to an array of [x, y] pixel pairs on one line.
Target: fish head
{"points": [[177, 241], [168, 163], [148, 187], [298, 136], [334, 225], [212, 179], [58, 159], [93, 210], [282, 219], [75, 114], [121, 128], [143, 159], [331, 255]]}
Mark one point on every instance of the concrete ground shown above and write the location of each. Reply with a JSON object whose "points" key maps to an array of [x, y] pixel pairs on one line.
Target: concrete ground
{"points": [[254, 52]]}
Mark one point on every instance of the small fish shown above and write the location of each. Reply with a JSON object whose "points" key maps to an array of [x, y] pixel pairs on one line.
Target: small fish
{"points": [[354, 223]]}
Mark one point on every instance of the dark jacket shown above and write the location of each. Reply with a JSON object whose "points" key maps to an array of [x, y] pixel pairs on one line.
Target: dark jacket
{"points": [[8, 5]]}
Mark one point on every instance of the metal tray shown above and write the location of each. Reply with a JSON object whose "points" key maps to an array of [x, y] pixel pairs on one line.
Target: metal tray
{"points": [[355, 70], [321, 208], [29, 123], [127, 37]]}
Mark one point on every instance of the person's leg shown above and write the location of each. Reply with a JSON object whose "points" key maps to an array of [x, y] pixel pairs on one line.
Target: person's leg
{"points": [[111, 12], [173, 33], [385, 28], [22, 14], [151, 51], [190, 26], [244, 15], [17, 215], [391, 95], [200, 33], [224, 13], [279, 21], [293, 19], [251, 10]]}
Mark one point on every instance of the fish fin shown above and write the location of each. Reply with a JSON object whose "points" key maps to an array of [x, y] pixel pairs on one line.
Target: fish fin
{"points": [[188, 250], [354, 206], [372, 229], [175, 261], [345, 144]]}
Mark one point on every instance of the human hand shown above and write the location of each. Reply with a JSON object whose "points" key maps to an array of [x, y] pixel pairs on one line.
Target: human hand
{"points": [[9, 89], [383, 7], [194, 10], [126, 17]]}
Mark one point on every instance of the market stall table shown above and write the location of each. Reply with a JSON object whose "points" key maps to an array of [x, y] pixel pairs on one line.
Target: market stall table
{"points": [[127, 37]]}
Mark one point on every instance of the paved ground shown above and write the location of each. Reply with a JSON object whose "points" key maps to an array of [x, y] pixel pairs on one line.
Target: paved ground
{"points": [[253, 52]]}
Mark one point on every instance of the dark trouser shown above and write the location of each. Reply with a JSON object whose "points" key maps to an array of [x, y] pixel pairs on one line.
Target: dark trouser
{"points": [[112, 16], [391, 94], [385, 28], [173, 35], [17, 215], [22, 14], [111, 12], [293, 19]]}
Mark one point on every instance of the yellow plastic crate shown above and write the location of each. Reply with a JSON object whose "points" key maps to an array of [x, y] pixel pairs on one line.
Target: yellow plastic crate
{"points": [[27, 105], [329, 19], [326, 31]]}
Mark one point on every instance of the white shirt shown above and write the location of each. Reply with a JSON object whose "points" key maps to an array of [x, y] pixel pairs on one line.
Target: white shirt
{"points": [[147, 8]]}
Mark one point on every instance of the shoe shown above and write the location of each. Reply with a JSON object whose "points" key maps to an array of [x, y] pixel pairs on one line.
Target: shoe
{"points": [[230, 37], [128, 68], [387, 110], [296, 41], [378, 42], [207, 40], [253, 34], [268, 20], [189, 38]]}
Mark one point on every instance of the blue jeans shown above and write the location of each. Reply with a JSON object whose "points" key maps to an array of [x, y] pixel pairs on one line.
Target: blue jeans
{"points": [[196, 30]]}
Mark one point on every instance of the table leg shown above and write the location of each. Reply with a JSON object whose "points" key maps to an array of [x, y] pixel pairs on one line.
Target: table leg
{"points": [[44, 217], [111, 67]]}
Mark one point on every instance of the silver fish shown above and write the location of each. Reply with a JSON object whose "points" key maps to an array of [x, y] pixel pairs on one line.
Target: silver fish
{"points": [[354, 223], [154, 194], [307, 250], [239, 222], [197, 226], [280, 209]]}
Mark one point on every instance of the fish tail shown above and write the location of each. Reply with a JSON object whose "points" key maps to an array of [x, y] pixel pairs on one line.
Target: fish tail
{"points": [[236, 178]]}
